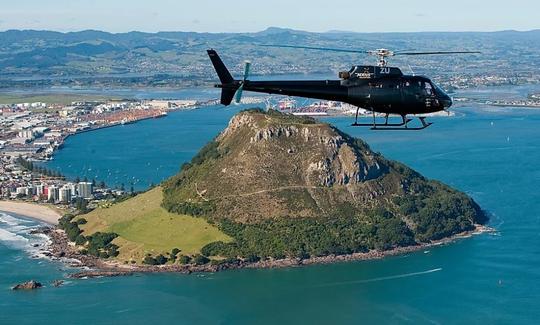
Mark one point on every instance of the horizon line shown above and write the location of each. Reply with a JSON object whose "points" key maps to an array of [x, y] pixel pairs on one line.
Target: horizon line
{"points": [[267, 29]]}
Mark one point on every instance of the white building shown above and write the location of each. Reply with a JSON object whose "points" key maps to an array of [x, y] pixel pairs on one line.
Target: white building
{"points": [[85, 190], [72, 188], [40, 189], [65, 194], [54, 193], [21, 190], [31, 190]]}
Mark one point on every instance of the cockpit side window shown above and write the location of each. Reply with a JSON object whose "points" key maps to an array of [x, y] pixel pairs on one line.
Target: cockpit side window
{"points": [[428, 88]]}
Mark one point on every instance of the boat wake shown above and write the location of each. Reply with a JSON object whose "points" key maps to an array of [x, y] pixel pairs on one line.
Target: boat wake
{"points": [[385, 278]]}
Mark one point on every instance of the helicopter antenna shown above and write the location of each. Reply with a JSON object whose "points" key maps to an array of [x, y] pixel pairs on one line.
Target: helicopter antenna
{"points": [[412, 71], [381, 54]]}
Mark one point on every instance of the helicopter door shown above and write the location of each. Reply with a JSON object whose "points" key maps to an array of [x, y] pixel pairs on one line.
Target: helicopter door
{"points": [[410, 91], [385, 95], [417, 93]]}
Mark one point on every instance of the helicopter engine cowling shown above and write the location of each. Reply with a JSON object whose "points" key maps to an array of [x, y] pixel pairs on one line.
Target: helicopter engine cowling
{"points": [[344, 75]]}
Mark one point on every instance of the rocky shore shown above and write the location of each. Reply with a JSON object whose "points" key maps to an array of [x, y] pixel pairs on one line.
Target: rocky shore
{"points": [[60, 248]]}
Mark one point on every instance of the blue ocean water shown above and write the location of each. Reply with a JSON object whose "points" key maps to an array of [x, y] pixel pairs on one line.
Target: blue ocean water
{"points": [[493, 154]]}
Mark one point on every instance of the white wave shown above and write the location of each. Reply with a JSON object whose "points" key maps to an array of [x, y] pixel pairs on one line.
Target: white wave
{"points": [[12, 239], [384, 278], [10, 220], [15, 233]]}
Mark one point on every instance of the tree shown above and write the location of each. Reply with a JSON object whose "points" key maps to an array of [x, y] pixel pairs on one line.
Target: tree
{"points": [[149, 260], [184, 259], [102, 184], [160, 259], [81, 205], [200, 259]]}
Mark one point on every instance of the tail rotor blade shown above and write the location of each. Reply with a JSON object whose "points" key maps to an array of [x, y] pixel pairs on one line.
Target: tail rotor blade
{"points": [[246, 69], [238, 97]]}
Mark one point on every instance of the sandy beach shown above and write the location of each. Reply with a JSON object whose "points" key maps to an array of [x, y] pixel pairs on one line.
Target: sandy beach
{"points": [[31, 210]]}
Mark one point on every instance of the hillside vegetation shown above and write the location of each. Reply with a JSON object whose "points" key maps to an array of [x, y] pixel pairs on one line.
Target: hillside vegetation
{"points": [[284, 186], [273, 185]]}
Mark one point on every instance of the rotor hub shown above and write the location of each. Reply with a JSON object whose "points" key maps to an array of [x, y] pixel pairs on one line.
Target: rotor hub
{"points": [[381, 55]]}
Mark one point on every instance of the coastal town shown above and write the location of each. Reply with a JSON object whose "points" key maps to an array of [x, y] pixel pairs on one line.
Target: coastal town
{"points": [[30, 133]]}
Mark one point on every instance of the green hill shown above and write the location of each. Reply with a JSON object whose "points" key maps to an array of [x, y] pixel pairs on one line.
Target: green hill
{"points": [[273, 186], [281, 185]]}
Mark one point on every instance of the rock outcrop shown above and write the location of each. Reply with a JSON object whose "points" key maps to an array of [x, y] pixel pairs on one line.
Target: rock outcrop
{"points": [[30, 285]]}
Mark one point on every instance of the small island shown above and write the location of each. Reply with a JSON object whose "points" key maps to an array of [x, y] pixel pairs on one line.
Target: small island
{"points": [[271, 190]]}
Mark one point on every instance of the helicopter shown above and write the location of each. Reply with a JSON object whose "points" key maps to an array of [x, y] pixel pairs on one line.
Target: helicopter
{"points": [[378, 89]]}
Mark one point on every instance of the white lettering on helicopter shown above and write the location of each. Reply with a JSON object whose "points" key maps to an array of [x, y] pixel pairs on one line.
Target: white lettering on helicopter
{"points": [[385, 70], [364, 75]]}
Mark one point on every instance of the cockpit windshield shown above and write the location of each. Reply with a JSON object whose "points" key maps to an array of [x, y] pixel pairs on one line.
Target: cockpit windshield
{"points": [[438, 89], [422, 87]]}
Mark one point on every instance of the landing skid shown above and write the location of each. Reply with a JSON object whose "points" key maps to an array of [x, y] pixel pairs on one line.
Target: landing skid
{"points": [[404, 125], [422, 120], [382, 124]]}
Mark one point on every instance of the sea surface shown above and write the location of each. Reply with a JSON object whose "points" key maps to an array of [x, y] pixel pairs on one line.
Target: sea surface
{"points": [[493, 154]]}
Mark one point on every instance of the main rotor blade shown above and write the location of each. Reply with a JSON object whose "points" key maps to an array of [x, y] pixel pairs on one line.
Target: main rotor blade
{"points": [[437, 52], [317, 48]]}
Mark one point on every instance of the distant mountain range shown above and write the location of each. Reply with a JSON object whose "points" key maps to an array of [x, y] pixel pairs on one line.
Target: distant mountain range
{"points": [[91, 53]]}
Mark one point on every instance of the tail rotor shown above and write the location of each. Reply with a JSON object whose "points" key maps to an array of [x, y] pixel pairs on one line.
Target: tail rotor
{"points": [[238, 96]]}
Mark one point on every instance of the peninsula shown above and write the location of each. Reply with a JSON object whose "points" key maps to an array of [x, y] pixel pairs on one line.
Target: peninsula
{"points": [[273, 190]]}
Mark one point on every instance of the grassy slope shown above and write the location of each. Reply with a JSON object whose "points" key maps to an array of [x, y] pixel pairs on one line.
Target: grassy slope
{"points": [[144, 227]]}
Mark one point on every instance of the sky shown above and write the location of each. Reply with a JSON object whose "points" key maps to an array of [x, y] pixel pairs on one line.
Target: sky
{"points": [[257, 15]]}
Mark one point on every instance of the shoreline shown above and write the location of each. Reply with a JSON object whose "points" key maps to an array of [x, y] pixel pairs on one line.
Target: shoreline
{"points": [[60, 248], [31, 210]]}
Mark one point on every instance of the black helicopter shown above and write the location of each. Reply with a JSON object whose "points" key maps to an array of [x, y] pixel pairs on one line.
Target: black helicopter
{"points": [[380, 88]]}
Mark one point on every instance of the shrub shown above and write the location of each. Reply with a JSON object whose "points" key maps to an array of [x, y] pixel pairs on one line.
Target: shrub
{"points": [[214, 248], [160, 259], [200, 259], [252, 258], [80, 240], [183, 259], [149, 260], [99, 244]]}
